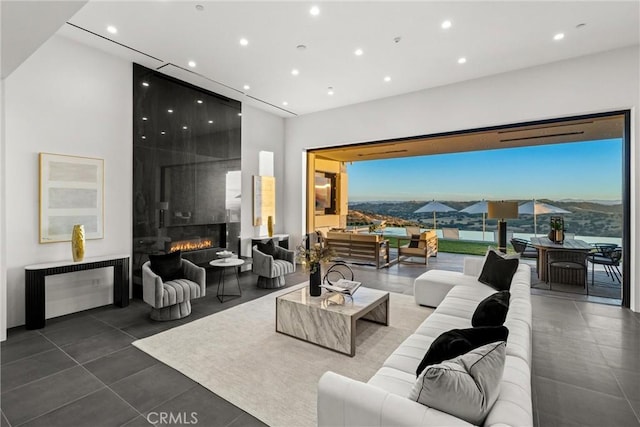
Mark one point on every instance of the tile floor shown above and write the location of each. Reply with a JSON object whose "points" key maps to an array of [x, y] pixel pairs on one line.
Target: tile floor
{"points": [[81, 369]]}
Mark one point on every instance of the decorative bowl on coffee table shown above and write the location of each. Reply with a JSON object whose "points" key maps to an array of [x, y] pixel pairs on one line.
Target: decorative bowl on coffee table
{"points": [[225, 255]]}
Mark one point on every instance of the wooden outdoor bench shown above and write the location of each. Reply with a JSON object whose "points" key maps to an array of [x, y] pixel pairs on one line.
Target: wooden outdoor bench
{"points": [[365, 248]]}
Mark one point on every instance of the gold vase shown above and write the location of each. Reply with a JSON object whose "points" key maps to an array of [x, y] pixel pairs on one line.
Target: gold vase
{"points": [[270, 226], [77, 243]]}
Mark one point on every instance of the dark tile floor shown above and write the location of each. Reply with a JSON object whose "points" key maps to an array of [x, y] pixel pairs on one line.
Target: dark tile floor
{"points": [[81, 369]]}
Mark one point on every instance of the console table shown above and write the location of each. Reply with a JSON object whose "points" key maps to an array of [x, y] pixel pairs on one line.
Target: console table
{"points": [[35, 276]]}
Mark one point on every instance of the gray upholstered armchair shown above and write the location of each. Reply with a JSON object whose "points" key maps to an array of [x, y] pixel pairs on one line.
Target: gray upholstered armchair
{"points": [[271, 269], [172, 299]]}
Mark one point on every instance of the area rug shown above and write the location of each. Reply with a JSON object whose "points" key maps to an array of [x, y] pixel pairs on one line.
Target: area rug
{"points": [[238, 355]]}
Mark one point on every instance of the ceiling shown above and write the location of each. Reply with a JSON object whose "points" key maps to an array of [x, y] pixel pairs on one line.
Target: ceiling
{"points": [[402, 40], [577, 130]]}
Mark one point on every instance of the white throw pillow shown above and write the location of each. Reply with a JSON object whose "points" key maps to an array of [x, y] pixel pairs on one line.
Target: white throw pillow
{"points": [[465, 387]]}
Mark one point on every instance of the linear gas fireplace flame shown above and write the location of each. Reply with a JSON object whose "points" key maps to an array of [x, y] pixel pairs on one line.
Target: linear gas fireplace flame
{"points": [[191, 245]]}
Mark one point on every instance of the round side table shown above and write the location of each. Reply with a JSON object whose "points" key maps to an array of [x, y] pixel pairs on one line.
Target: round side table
{"points": [[223, 264]]}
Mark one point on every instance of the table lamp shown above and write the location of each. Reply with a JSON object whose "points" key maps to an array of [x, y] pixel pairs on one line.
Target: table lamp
{"points": [[501, 211]]}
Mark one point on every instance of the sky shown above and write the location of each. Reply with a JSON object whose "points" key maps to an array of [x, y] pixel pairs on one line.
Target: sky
{"points": [[589, 170]]}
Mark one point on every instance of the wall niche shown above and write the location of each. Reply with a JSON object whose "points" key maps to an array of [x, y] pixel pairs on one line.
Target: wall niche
{"points": [[186, 170]]}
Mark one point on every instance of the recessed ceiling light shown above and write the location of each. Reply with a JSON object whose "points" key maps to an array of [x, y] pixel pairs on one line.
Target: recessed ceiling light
{"points": [[387, 79], [330, 92], [169, 111], [210, 122], [192, 64], [285, 103], [301, 47], [462, 60], [112, 29], [244, 42], [199, 101], [315, 11], [144, 119], [295, 72], [144, 137], [199, 7], [358, 52], [162, 133], [246, 87], [581, 25], [446, 24], [145, 84], [558, 36], [239, 114], [184, 127]]}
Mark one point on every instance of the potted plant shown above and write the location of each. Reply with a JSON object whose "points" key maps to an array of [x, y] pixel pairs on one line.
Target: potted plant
{"points": [[311, 257], [557, 229]]}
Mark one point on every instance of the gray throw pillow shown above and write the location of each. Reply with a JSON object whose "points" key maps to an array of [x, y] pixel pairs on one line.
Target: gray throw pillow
{"points": [[465, 387]]}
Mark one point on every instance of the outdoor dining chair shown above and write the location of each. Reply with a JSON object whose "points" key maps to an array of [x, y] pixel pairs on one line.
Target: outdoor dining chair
{"points": [[570, 267], [524, 248], [609, 256]]}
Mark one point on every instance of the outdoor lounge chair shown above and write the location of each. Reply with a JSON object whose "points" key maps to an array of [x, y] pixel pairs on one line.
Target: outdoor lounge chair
{"points": [[421, 245]]}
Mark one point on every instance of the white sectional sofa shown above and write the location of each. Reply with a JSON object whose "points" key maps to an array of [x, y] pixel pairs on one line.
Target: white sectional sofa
{"points": [[383, 400]]}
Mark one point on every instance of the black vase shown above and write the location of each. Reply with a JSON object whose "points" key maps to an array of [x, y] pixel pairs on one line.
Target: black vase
{"points": [[315, 280]]}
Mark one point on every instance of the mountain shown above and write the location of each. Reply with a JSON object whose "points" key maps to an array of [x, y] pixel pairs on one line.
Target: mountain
{"points": [[587, 218]]}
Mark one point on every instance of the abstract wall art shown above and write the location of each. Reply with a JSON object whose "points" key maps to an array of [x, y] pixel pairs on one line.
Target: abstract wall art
{"points": [[71, 192]]}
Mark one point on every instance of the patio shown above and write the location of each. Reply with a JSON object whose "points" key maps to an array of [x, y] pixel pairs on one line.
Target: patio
{"points": [[400, 276]]}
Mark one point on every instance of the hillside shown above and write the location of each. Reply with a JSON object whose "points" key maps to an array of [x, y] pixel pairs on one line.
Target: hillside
{"points": [[586, 218]]}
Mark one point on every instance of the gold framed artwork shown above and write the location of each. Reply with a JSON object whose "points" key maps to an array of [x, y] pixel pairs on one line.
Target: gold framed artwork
{"points": [[71, 192], [264, 199]]}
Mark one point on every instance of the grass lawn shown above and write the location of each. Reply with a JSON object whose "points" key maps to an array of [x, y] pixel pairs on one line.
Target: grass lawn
{"points": [[467, 247], [458, 246]]}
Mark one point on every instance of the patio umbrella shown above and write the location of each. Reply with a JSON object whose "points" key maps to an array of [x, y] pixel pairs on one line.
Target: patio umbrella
{"points": [[434, 207], [476, 208], [538, 208]]}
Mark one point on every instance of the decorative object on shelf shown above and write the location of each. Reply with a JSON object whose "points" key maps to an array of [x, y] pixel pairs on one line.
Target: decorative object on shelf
{"points": [[77, 243], [556, 234], [270, 225], [162, 208], [311, 255], [71, 191]]}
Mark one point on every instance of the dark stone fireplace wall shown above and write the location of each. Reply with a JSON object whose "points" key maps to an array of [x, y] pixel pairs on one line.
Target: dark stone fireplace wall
{"points": [[186, 168]]}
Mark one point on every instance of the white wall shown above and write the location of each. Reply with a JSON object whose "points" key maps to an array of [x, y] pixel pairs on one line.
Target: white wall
{"points": [[66, 99], [261, 131], [590, 84], [3, 228]]}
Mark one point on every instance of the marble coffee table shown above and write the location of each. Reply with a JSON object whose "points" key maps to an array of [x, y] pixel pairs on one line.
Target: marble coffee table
{"points": [[330, 319]]}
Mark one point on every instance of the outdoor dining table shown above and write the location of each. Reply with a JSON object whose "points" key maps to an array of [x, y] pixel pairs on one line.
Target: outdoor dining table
{"points": [[544, 245]]}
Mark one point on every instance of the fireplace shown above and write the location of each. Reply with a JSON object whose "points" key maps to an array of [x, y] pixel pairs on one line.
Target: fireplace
{"points": [[191, 244], [198, 243]]}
